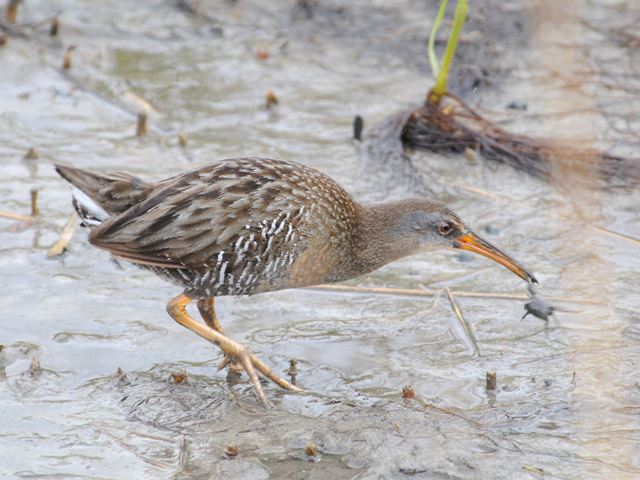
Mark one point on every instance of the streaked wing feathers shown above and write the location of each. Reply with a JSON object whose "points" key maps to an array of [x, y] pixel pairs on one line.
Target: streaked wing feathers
{"points": [[188, 220]]}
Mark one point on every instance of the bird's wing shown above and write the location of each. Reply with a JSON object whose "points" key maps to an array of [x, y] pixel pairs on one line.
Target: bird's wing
{"points": [[188, 220]]}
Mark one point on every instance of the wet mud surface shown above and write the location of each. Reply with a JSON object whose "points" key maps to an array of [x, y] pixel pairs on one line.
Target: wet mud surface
{"points": [[96, 381]]}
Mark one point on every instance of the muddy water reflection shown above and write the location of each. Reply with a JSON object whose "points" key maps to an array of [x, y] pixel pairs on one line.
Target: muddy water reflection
{"points": [[567, 397]]}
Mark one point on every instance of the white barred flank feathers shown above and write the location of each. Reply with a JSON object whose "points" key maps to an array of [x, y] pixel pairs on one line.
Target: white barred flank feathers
{"points": [[254, 257]]}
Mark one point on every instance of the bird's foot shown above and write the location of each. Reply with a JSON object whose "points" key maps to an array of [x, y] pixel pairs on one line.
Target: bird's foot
{"points": [[239, 359], [232, 350]]}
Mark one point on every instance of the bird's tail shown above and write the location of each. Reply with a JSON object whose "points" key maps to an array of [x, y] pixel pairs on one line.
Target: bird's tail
{"points": [[96, 197]]}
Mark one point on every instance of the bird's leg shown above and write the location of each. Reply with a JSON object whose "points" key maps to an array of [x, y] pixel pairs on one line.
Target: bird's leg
{"points": [[207, 309], [177, 308]]}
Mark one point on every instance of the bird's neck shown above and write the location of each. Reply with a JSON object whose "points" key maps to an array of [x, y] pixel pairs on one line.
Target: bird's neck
{"points": [[376, 240]]}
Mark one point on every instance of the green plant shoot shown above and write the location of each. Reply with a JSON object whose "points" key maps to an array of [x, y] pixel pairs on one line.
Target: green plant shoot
{"points": [[441, 72]]}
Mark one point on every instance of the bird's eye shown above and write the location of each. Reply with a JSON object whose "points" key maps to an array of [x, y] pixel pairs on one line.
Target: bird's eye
{"points": [[445, 228]]}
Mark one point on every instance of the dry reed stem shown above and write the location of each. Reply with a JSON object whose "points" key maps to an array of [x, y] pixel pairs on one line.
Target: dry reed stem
{"points": [[14, 30], [491, 381], [11, 13], [15, 216], [143, 104], [429, 406], [54, 28], [32, 154], [121, 105], [618, 235], [128, 102], [466, 328], [182, 454], [270, 99], [66, 61], [194, 9], [66, 235], [482, 192], [35, 210], [412, 292], [141, 125]]}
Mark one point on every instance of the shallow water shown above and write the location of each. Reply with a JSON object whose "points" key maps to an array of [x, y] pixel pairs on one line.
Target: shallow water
{"points": [[568, 392]]}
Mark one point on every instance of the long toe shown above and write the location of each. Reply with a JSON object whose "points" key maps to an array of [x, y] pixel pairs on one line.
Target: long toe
{"points": [[246, 362]]}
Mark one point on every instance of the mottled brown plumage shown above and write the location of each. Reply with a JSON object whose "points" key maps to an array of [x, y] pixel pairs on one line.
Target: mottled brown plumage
{"points": [[253, 225], [240, 226]]}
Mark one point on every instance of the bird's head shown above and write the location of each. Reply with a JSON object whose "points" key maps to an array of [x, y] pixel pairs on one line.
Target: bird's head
{"points": [[432, 226]]}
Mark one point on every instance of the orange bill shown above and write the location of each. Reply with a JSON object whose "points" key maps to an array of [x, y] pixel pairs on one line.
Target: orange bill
{"points": [[470, 241]]}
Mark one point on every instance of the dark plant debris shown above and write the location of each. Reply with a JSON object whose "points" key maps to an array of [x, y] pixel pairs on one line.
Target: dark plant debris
{"points": [[293, 370], [358, 126], [66, 61], [141, 125], [35, 210], [35, 370], [54, 28], [11, 13], [452, 126], [491, 381], [178, 378], [270, 99], [32, 154], [311, 450], [408, 392]]}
